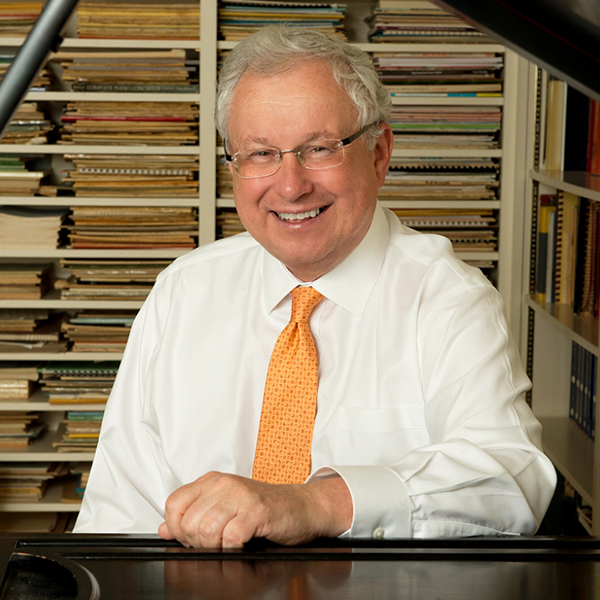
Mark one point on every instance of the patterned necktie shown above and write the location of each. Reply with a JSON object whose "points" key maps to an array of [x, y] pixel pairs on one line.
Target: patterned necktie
{"points": [[289, 405]]}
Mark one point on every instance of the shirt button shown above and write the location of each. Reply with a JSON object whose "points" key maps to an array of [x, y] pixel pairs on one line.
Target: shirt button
{"points": [[378, 533]]}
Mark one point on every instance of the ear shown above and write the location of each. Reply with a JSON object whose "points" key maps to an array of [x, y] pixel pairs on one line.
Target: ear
{"points": [[383, 153]]}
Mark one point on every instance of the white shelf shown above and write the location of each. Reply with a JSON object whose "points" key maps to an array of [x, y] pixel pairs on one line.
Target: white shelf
{"points": [[76, 43], [70, 253], [33, 356], [95, 201], [99, 149], [572, 452], [111, 97], [575, 182]]}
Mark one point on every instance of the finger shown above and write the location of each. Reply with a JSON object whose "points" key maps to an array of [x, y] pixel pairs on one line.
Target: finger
{"points": [[177, 505], [241, 528]]}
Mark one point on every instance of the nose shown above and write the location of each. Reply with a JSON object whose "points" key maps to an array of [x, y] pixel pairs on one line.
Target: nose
{"points": [[292, 181]]}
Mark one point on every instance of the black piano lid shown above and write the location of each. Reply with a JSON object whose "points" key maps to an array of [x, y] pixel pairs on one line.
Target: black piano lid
{"points": [[562, 36]]}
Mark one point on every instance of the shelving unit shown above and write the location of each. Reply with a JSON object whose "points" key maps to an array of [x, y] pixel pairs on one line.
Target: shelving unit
{"points": [[208, 202], [552, 328]]}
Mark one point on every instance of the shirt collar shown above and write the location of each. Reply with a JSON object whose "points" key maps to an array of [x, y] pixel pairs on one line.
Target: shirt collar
{"points": [[349, 284]]}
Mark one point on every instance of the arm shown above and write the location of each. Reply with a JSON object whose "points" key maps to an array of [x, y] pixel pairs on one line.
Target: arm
{"points": [[482, 472]]}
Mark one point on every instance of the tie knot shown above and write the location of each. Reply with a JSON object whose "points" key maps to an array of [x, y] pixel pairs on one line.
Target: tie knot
{"points": [[304, 299]]}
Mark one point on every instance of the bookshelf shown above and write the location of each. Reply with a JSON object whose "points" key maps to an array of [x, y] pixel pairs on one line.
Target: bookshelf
{"points": [[207, 201], [552, 329]]}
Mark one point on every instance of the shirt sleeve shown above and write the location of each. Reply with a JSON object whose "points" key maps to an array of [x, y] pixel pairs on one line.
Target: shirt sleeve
{"points": [[483, 472], [123, 494]]}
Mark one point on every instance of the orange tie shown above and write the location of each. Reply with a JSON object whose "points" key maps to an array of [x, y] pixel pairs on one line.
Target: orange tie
{"points": [[289, 405]]}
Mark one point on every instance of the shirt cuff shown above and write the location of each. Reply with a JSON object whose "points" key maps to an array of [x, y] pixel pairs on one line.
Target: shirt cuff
{"points": [[380, 500]]}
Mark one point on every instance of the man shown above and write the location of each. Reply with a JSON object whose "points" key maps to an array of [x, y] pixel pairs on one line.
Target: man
{"points": [[421, 428]]}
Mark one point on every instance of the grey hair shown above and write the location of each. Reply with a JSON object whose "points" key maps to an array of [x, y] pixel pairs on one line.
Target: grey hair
{"points": [[278, 48]]}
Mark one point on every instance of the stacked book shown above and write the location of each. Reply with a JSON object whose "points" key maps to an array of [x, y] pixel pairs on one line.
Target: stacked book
{"points": [[135, 175], [30, 329], [78, 382], [19, 428], [104, 279], [79, 432], [419, 21], [17, 18], [240, 18], [24, 281], [476, 74], [468, 230], [91, 331], [27, 482], [228, 223], [153, 71], [467, 127], [139, 20], [17, 380], [441, 179], [31, 227], [43, 79], [133, 227], [29, 125], [130, 123], [19, 180]]}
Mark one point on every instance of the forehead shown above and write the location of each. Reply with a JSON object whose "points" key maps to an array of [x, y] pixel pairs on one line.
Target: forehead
{"points": [[301, 101]]}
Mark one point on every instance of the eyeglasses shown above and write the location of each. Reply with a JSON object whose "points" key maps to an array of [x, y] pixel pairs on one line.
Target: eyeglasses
{"points": [[320, 154]]}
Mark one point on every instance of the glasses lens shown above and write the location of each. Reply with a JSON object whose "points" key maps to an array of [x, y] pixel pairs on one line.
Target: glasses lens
{"points": [[258, 163], [322, 154]]}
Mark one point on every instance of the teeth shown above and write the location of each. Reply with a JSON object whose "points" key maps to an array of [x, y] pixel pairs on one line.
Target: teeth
{"points": [[299, 216]]}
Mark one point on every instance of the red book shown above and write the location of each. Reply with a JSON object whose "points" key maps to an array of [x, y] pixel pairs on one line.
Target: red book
{"points": [[593, 151]]}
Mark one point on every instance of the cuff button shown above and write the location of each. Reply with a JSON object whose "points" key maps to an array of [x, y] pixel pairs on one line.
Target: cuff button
{"points": [[378, 533]]}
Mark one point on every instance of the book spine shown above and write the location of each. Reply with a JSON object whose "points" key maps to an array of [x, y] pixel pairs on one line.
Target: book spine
{"points": [[132, 88]]}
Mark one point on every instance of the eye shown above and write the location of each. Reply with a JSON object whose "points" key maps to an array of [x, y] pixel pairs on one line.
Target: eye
{"points": [[262, 155], [319, 150]]}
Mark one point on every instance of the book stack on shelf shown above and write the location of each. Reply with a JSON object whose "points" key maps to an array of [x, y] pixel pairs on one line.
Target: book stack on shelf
{"points": [[29, 125], [441, 179], [24, 281], [77, 382], [139, 20], [43, 80], [79, 431], [81, 472], [18, 428], [17, 380], [135, 175], [98, 331], [582, 395], [129, 123], [451, 74], [17, 18], [419, 21], [21, 177], [466, 127], [27, 482], [240, 18], [228, 223], [145, 71], [105, 279], [30, 329], [133, 227], [31, 227]]}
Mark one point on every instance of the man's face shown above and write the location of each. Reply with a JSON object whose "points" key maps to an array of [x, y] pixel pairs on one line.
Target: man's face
{"points": [[284, 111]]}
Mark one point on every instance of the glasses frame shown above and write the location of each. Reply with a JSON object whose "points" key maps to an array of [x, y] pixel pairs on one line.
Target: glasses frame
{"points": [[231, 158]]}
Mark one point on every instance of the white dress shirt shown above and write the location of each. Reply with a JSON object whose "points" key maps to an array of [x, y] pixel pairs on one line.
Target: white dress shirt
{"points": [[420, 403]]}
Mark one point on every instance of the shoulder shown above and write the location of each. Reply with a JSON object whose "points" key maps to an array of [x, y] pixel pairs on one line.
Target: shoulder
{"points": [[220, 257], [431, 257]]}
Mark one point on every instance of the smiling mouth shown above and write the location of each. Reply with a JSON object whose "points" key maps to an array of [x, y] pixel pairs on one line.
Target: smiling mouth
{"points": [[303, 216]]}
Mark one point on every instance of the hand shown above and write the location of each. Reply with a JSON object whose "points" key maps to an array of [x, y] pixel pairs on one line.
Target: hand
{"points": [[219, 510]]}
